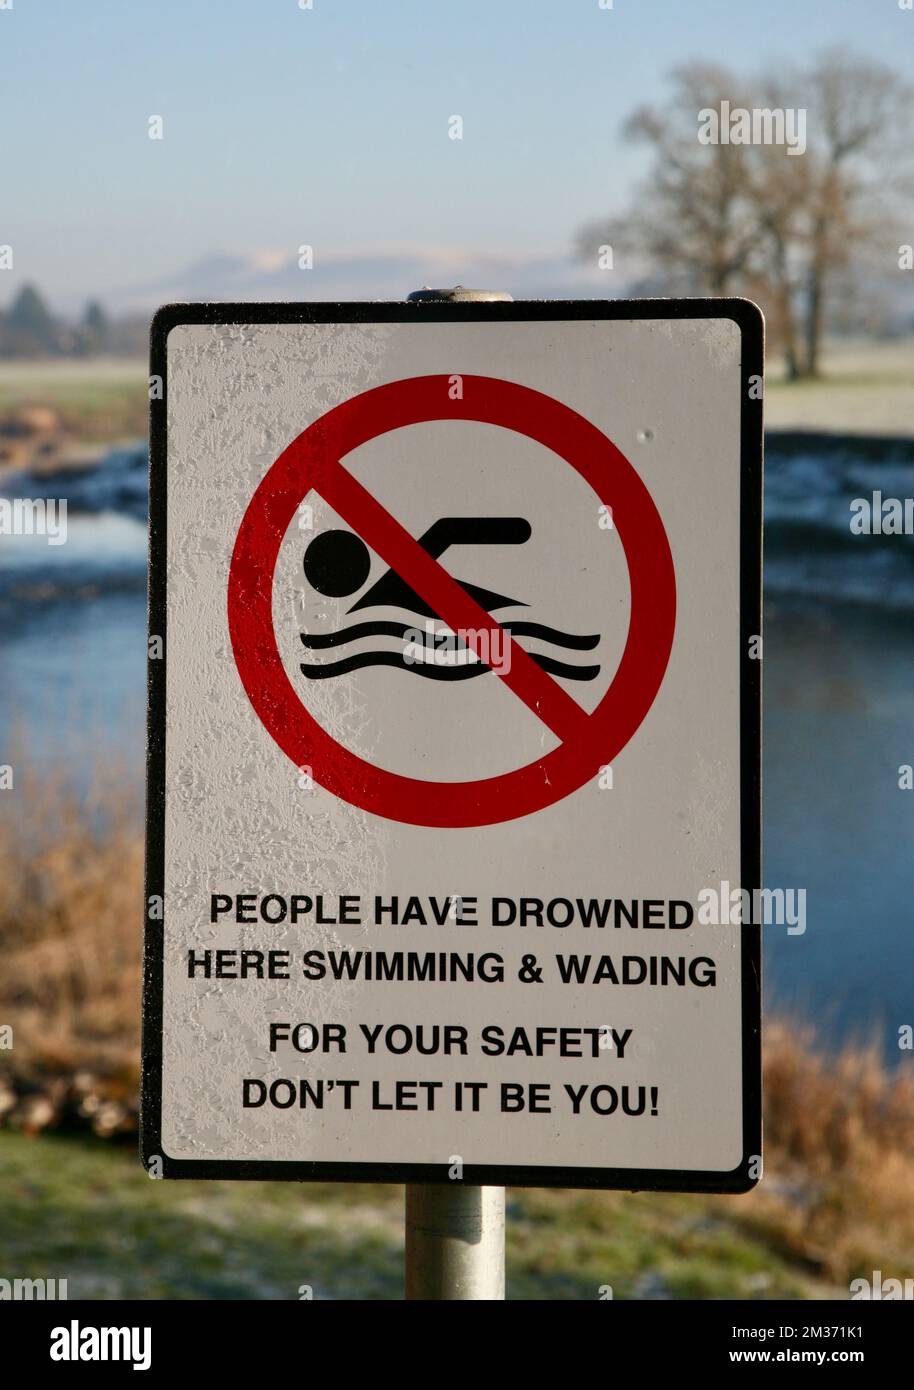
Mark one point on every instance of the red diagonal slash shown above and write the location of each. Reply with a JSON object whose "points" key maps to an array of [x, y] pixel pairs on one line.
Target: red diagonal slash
{"points": [[427, 578]]}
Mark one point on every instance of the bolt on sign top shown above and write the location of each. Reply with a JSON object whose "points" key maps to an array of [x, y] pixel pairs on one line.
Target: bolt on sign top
{"points": [[453, 723]]}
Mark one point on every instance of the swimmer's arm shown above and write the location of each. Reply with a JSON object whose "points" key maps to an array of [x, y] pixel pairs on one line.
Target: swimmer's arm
{"points": [[474, 530]]}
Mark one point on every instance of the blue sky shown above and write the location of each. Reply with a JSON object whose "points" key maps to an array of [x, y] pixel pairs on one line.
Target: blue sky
{"points": [[329, 127]]}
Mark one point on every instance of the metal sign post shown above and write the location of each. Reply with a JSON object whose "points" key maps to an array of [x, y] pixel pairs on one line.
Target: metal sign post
{"points": [[455, 1241]]}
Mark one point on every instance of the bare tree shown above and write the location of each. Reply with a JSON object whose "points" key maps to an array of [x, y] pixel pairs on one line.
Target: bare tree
{"points": [[754, 218], [690, 220], [777, 208], [859, 153]]}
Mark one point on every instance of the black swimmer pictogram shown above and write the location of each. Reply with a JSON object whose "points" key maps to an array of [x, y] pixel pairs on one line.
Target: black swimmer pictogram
{"points": [[337, 564]]}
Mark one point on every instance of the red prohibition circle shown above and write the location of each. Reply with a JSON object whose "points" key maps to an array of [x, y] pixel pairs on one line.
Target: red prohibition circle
{"points": [[310, 460]]}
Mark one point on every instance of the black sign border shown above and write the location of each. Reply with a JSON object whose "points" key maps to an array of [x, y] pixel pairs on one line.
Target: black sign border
{"points": [[749, 319]]}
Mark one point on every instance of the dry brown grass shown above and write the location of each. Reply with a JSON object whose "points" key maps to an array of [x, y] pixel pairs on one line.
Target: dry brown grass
{"points": [[839, 1156], [838, 1194], [71, 916]]}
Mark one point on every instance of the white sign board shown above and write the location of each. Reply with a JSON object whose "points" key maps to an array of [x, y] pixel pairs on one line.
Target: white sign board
{"points": [[454, 743]]}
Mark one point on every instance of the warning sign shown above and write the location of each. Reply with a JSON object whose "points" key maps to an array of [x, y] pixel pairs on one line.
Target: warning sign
{"points": [[453, 735]]}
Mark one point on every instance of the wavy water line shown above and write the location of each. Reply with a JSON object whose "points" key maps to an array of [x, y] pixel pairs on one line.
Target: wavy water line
{"points": [[386, 628], [436, 672]]}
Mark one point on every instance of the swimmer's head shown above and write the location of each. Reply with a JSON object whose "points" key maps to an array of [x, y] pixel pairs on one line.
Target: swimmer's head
{"points": [[337, 563]]}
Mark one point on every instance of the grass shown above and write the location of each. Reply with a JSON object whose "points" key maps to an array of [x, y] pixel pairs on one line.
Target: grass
{"points": [[114, 1233], [865, 388], [99, 401]]}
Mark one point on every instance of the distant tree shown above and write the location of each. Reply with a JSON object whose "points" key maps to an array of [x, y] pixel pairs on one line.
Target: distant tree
{"points": [[95, 327], [859, 163], [691, 219], [29, 326], [778, 188], [752, 218]]}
